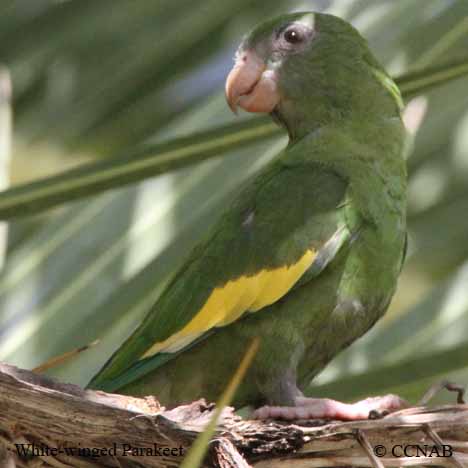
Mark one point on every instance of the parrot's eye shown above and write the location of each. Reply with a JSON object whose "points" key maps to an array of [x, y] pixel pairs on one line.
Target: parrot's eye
{"points": [[293, 36]]}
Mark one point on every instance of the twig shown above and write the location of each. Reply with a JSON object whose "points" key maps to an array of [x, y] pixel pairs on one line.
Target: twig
{"points": [[444, 384], [362, 439], [436, 438]]}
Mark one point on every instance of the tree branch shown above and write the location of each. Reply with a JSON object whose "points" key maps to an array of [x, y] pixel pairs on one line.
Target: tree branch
{"points": [[51, 424]]}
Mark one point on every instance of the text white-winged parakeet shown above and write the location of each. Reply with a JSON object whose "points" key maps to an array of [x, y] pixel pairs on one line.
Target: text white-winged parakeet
{"points": [[308, 255]]}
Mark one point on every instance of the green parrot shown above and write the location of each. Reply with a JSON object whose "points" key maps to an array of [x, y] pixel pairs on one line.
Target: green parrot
{"points": [[308, 254]]}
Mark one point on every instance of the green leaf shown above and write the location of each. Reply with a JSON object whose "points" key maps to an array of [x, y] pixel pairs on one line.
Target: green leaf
{"points": [[380, 380], [421, 81], [149, 161]]}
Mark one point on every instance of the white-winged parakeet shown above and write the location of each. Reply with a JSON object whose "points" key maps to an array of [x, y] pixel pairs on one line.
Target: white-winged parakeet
{"points": [[308, 254]]}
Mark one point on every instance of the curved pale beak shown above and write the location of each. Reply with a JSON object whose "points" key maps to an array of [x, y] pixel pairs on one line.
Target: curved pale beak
{"points": [[251, 85]]}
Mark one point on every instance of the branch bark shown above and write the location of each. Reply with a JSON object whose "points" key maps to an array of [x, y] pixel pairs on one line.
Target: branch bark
{"points": [[51, 424]]}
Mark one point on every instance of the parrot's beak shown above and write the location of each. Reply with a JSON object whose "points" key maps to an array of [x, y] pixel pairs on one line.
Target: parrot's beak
{"points": [[251, 85]]}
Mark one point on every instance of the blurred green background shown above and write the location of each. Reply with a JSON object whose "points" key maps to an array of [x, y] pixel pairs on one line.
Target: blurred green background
{"points": [[96, 80]]}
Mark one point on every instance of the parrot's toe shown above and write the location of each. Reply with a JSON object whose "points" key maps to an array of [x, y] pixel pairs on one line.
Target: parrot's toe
{"points": [[325, 408]]}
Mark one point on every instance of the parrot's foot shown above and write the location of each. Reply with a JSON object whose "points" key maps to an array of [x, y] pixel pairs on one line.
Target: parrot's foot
{"points": [[325, 408]]}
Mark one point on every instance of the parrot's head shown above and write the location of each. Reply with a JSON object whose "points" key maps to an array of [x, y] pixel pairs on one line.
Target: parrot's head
{"points": [[308, 69]]}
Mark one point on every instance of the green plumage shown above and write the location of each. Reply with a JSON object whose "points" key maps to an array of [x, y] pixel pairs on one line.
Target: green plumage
{"points": [[338, 188]]}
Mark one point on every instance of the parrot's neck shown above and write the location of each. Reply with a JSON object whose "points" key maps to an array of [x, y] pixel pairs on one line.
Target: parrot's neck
{"points": [[369, 154], [369, 98]]}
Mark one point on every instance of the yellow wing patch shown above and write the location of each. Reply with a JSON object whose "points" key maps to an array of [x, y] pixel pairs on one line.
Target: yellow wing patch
{"points": [[229, 302]]}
